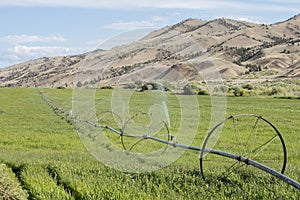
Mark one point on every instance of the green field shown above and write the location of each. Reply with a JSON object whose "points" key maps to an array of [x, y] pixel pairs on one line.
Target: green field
{"points": [[42, 156]]}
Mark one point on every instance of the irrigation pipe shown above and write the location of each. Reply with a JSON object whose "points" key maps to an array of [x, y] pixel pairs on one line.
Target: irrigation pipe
{"points": [[202, 150], [216, 152]]}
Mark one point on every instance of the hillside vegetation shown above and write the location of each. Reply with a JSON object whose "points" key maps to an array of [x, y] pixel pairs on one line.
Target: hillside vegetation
{"points": [[186, 51]]}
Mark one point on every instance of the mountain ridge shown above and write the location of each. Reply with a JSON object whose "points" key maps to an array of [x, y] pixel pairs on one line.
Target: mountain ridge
{"points": [[239, 49]]}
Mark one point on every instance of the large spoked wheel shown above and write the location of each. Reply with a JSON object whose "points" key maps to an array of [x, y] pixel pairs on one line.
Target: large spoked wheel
{"points": [[246, 135]]}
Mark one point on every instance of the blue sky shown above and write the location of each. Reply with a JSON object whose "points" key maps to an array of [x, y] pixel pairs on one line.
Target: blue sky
{"points": [[35, 28]]}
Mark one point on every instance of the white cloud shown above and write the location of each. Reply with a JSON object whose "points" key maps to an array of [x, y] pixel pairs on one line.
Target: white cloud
{"points": [[187, 4], [160, 19], [244, 19], [154, 22], [124, 26], [102, 3], [20, 39], [283, 2], [26, 51], [21, 53], [251, 19]]}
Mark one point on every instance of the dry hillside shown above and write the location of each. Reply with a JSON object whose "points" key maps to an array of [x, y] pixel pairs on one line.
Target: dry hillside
{"points": [[186, 51]]}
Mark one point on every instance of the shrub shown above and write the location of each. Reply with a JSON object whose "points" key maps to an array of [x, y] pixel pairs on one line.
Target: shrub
{"points": [[203, 92], [188, 90], [155, 86], [147, 87], [248, 87], [79, 84], [223, 89], [236, 91], [106, 87]]}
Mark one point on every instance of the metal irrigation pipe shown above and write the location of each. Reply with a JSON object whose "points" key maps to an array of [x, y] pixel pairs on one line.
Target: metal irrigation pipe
{"points": [[243, 159], [245, 115]]}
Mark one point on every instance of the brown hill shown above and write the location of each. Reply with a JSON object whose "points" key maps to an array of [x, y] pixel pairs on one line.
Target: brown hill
{"points": [[183, 51]]}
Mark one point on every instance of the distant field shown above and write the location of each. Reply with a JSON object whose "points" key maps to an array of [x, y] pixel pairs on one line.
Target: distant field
{"points": [[49, 161]]}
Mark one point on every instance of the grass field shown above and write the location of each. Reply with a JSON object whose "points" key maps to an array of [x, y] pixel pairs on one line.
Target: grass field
{"points": [[42, 157]]}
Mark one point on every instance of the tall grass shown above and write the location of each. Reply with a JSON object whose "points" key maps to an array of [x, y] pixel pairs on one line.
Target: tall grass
{"points": [[52, 162]]}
